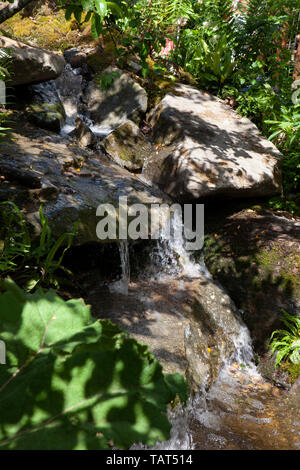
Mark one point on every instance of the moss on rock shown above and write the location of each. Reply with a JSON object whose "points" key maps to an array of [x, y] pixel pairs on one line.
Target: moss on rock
{"points": [[47, 116], [51, 31]]}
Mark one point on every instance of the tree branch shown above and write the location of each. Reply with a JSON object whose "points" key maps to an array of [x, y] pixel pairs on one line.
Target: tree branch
{"points": [[12, 8]]}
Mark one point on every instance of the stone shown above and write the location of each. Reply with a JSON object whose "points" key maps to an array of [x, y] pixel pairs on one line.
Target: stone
{"points": [[189, 324], [83, 134], [31, 64], [75, 56], [276, 375], [208, 150], [69, 86], [254, 254], [46, 168], [124, 99], [216, 333], [127, 146], [43, 106]]}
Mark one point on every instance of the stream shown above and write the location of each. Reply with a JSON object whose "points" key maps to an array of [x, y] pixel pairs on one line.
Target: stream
{"points": [[241, 410]]}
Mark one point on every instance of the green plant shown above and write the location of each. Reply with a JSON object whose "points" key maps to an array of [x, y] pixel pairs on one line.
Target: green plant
{"points": [[74, 383], [91, 10], [30, 262], [287, 342], [286, 130], [145, 27], [107, 79]]}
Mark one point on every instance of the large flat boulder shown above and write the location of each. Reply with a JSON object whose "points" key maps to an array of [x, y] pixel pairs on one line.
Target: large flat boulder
{"points": [[124, 99], [208, 150], [31, 64]]}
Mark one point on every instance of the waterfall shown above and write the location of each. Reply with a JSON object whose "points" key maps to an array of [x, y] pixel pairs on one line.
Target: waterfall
{"points": [[121, 286], [170, 258], [70, 86]]}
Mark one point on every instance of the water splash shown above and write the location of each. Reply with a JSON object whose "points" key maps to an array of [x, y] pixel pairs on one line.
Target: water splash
{"points": [[180, 438], [170, 258], [121, 286]]}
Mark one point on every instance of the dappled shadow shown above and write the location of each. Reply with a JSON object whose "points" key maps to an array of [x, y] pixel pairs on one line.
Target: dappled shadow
{"points": [[211, 152], [116, 104]]}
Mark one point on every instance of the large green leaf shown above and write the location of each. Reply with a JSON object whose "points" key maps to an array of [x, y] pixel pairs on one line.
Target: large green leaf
{"points": [[73, 383]]}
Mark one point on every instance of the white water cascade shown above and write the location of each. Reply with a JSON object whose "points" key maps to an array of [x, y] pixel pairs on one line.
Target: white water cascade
{"points": [[121, 286]]}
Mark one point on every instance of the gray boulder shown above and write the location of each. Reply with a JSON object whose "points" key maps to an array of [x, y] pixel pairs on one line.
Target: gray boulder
{"points": [[127, 146], [124, 99], [31, 64], [209, 150]]}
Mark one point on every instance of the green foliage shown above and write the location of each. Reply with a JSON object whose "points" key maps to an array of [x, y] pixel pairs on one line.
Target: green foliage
{"points": [[286, 130], [287, 342], [30, 262], [248, 33], [107, 79], [74, 383], [214, 60], [286, 134], [144, 29], [238, 50], [91, 10]]}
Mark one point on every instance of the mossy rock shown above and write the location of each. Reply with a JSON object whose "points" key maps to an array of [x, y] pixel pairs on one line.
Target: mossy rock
{"points": [[127, 146], [51, 31], [46, 116]]}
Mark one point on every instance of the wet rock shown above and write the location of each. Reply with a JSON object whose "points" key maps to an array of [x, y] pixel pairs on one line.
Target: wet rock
{"points": [[75, 56], [276, 375], [83, 134], [69, 86], [124, 99], [294, 394], [209, 150], [43, 106], [127, 146], [215, 334], [31, 64], [28, 178]]}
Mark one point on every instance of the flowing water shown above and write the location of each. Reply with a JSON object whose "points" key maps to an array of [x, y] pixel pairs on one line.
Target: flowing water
{"points": [[121, 286], [241, 410]]}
